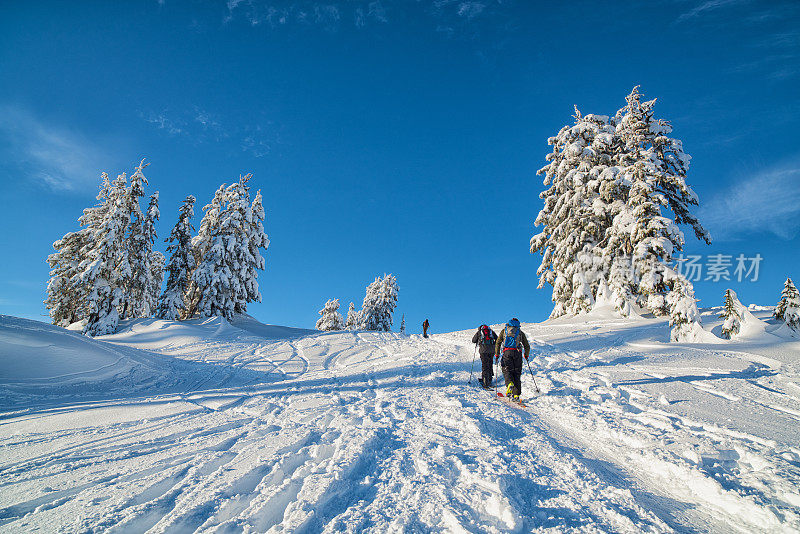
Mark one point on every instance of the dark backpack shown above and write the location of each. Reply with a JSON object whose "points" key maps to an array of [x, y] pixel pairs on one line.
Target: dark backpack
{"points": [[486, 336]]}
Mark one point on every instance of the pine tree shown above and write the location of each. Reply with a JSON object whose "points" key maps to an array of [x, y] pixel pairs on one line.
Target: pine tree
{"points": [[353, 320], [227, 249], [788, 289], [617, 191], [211, 289], [732, 313], [65, 295], [172, 305], [684, 316], [330, 318], [403, 324], [575, 215], [104, 266], [157, 262], [379, 304], [655, 166], [145, 276], [790, 312], [135, 268]]}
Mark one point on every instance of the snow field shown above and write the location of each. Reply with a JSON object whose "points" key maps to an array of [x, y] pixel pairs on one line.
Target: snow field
{"points": [[292, 431]]}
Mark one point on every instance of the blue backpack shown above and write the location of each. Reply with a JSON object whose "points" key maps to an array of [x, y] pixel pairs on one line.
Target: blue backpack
{"points": [[511, 341]]}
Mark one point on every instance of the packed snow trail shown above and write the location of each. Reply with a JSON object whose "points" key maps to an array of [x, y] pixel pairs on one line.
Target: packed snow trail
{"points": [[378, 432]]}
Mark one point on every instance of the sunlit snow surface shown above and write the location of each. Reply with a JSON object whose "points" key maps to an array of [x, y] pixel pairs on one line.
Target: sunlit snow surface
{"points": [[211, 427]]}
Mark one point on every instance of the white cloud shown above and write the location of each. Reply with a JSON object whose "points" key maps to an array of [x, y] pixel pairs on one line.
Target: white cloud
{"points": [[709, 5], [769, 202], [203, 127], [53, 156]]}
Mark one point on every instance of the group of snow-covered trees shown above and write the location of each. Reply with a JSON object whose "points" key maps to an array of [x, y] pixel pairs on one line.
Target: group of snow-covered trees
{"points": [[108, 270], [617, 192], [376, 311], [787, 311]]}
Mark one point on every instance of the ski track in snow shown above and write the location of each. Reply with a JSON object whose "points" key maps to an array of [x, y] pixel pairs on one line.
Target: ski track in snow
{"points": [[268, 430]]}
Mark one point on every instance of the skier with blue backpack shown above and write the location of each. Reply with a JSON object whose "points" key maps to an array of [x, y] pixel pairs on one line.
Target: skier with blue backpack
{"points": [[508, 342]]}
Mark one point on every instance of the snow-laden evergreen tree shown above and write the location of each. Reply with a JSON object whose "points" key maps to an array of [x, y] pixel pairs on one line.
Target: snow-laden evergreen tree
{"points": [[172, 305], [788, 289], [330, 318], [684, 316], [65, 294], [104, 266], [144, 274], [211, 291], [575, 213], [157, 261], [379, 304], [403, 324], [617, 192], [732, 315], [135, 267], [655, 167], [353, 320], [228, 246], [790, 298]]}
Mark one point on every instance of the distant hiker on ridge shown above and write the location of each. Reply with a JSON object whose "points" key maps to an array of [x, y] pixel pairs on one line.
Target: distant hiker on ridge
{"points": [[485, 338], [508, 342], [425, 326]]}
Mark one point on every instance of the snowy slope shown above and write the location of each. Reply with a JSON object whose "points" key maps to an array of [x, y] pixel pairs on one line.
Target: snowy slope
{"points": [[248, 427]]}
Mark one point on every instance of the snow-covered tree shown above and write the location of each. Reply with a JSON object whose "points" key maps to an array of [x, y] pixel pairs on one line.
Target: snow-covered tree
{"points": [[788, 289], [353, 319], [684, 316], [788, 309], [144, 276], [157, 261], [732, 314], [65, 294], [379, 304], [135, 267], [575, 213], [655, 166], [330, 318], [403, 324], [172, 305], [617, 191], [227, 250], [211, 291], [104, 265]]}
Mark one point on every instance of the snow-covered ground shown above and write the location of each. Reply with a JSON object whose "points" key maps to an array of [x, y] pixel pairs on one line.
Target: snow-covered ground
{"points": [[213, 427]]}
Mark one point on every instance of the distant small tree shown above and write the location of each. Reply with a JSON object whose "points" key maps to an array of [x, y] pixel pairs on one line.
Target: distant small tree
{"points": [[790, 311], [331, 318], [352, 318], [379, 304], [403, 324], [684, 316], [732, 314], [788, 289]]}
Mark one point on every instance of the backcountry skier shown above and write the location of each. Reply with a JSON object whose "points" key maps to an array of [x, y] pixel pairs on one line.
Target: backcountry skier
{"points": [[508, 343], [425, 326], [485, 339]]}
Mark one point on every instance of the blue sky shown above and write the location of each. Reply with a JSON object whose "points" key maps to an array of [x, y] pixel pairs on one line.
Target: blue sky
{"points": [[391, 136]]}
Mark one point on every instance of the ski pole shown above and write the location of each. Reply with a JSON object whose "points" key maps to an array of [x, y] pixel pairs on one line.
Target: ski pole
{"points": [[534, 380], [473, 364], [495, 379]]}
